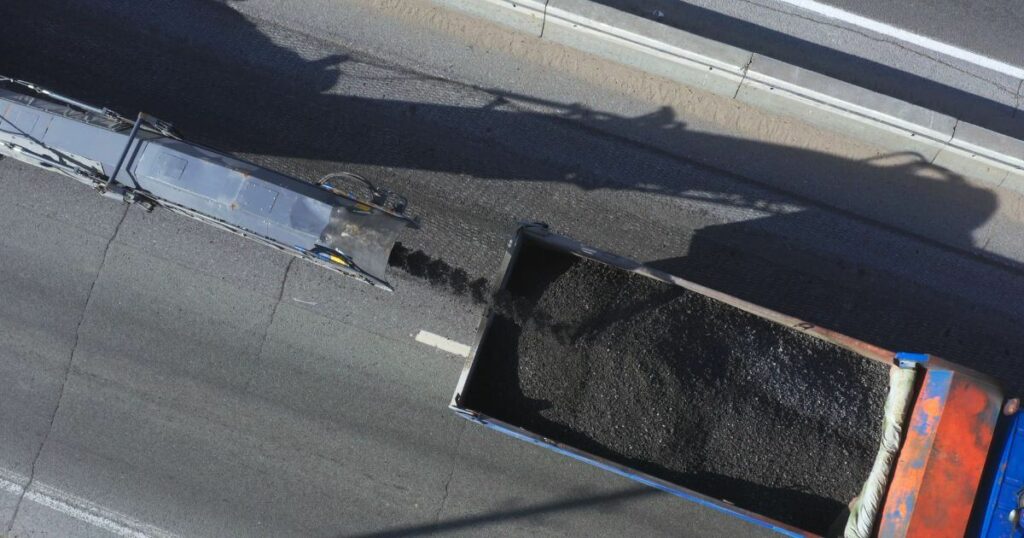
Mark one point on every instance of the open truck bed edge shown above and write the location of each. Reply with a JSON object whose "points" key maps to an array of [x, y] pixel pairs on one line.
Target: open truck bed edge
{"points": [[945, 450]]}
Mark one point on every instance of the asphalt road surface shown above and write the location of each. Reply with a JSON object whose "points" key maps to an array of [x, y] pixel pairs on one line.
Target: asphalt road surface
{"points": [[986, 27], [159, 377]]}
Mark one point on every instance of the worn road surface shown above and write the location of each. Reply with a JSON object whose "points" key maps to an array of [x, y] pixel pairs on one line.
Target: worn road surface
{"points": [[159, 377]]}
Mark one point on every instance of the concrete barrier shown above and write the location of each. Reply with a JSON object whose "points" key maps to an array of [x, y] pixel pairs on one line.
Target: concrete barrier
{"points": [[838, 106], [769, 84], [523, 15], [647, 45]]}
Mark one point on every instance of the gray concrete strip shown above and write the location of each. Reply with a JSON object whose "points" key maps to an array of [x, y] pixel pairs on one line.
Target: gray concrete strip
{"points": [[840, 94], [828, 103], [984, 143], [774, 86], [652, 47], [523, 15]]}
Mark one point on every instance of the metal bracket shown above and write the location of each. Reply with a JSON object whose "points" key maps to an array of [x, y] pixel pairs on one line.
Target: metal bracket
{"points": [[142, 121], [380, 199], [127, 147], [910, 360], [1015, 515]]}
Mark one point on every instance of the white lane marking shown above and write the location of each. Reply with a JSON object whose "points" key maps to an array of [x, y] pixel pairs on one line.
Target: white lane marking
{"points": [[442, 343], [10, 487], [79, 508], [910, 37]]}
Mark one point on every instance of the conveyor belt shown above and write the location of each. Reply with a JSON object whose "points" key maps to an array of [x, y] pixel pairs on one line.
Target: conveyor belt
{"points": [[145, 162]]}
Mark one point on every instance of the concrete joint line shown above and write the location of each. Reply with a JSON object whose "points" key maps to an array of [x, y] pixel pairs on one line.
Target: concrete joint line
{"points": [[1005, 177], [1016, 109], [638, 42], [444, 497], [746, 69], [849, 110], [67, 372], [1010, 160], [270, 323], [451, 473], [947, 145], [544, 20]]}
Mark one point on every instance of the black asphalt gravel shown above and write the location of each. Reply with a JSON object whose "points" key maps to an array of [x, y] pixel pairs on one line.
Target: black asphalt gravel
{"points": [[682, 387], [438, 273]]}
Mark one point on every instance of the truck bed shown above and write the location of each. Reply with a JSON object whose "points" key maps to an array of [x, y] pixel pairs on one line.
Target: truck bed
{"points": [[620, 364]]}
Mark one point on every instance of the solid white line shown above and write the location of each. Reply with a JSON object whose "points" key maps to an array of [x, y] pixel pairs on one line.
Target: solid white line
{"points": [[79, 508], [442, 343], [910, 37]]}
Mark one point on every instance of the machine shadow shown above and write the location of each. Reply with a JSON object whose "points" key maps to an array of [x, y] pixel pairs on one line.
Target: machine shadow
{"points": [[604, 501], [225, 82], [787, 276]]}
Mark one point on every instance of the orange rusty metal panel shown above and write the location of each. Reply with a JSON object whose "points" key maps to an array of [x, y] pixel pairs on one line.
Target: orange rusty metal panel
{"points": [[940, 465]]}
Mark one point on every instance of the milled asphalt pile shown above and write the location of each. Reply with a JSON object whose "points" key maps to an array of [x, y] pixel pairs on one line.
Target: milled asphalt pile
{"points": [[438, 272], [682, 387]]}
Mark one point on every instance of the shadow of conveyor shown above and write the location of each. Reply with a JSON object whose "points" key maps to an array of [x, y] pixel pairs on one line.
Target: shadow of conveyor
{"points": [[606, 502], [224, 82]]}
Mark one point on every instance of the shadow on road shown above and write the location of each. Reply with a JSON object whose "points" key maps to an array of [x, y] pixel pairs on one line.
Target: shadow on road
{"points": [[604, 501], [227, 83]]}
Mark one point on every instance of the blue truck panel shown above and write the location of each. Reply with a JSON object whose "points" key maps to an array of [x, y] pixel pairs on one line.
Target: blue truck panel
{"points": [[1006, 496]]}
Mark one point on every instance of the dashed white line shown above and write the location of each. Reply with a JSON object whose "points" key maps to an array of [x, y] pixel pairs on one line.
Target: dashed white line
{"points": [[910, 37], [442, 343], [79, 508]]}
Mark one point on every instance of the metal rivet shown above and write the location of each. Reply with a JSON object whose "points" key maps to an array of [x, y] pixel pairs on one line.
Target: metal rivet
{"points": [[1011, 406]]}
